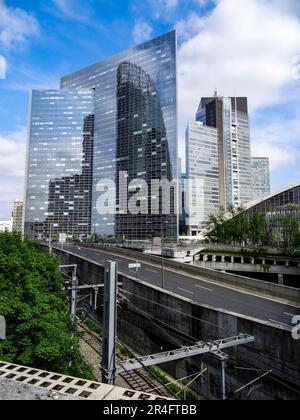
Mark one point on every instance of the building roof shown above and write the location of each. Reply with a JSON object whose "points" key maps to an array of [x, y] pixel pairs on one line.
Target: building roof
{"points": [[25, 383], [254, 203]]}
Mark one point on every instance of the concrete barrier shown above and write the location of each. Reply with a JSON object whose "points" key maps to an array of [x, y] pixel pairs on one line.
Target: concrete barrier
{"points": [[289, 294], [150, 318]]}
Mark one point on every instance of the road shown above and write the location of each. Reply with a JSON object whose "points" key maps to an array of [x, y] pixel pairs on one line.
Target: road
{"points": [[199, 290]]}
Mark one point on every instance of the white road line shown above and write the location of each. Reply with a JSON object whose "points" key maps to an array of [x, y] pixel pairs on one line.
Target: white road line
{"points": [[151, 271], [292, 315], [202, 287], [281, 323], [186, 291]]}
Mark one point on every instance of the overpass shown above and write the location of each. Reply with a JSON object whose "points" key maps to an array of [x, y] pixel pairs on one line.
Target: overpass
{"points": [[195, 305], [254, 299]]}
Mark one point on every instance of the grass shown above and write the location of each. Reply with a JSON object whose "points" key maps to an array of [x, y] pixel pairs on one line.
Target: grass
{"points": [[92, 326], [177, 389]]}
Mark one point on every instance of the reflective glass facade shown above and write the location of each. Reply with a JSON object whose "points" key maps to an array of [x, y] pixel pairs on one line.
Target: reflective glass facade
{"points": [[59, 163], [278, 208], [261, 184], [135, 130], [202, 165]]}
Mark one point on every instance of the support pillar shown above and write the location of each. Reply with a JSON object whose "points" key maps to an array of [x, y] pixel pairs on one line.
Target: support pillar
{"points": [[109, 323], [280, 279]]}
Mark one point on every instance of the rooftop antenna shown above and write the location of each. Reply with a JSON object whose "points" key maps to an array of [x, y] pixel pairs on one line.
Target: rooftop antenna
{"points": [[216, 93]]}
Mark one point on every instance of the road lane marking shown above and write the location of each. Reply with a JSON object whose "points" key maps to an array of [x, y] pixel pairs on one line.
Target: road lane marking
{"points": [[281, 323], [223, 286], [202, 287], [287, 314], [151, 271], [186, 291]]}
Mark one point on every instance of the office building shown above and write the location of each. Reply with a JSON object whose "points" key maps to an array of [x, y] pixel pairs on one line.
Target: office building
{"points": [[202, 192], [6, 227], [135, 131], [230, 117], [182, 205], [17, 216], [261, 184], [59, 163], [126, 124]]}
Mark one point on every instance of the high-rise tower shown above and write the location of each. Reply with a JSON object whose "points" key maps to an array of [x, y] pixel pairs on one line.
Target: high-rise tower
{"points": [[230, 117], [116, 116]]}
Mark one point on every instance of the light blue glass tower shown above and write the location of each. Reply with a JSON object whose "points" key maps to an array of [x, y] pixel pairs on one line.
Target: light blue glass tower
{"points": [[58, 185]]}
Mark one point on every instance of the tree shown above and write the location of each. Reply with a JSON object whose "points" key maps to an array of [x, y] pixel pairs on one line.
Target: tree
{"points": [[257, 228], [32, 300], [290, 231]]}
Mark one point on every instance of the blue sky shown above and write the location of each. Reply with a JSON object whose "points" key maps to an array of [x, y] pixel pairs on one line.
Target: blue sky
{"points": [[251, 47]]}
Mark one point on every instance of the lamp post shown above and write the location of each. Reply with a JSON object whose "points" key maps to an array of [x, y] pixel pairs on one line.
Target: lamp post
{"points": [[162, 253]]}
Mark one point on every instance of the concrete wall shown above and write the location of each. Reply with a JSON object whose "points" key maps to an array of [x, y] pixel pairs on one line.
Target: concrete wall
{"points": [[152, 320], [292, 295], [272, 269]]}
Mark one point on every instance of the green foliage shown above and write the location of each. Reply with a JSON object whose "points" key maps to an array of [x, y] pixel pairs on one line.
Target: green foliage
{"points": [[257, 231], [92, 326], [290, 231], [176, 388], [39, 326]]}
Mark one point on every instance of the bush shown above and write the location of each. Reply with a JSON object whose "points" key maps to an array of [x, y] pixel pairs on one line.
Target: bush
{"points": [[39, 326]]}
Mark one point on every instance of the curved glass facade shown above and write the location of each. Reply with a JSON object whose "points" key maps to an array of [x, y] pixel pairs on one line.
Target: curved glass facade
{"points": [[276, 209], [135, 129]]}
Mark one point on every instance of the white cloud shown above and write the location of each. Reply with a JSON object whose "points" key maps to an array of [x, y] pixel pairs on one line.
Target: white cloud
{"points": [[16, 26], [2, 67], [12, 167], [77, 10], [278, 140], [243, 47], [12, 153], [142, 31]]}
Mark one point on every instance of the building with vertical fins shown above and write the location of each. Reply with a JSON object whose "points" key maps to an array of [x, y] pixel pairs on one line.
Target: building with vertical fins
{"points": [[230, 117], [202, 190]]}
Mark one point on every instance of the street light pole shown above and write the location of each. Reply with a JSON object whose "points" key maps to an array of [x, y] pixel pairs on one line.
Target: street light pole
{"points": [[162, 255]]}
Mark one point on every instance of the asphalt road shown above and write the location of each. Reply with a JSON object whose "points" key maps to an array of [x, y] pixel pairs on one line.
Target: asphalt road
{"points": [[199, 290]]}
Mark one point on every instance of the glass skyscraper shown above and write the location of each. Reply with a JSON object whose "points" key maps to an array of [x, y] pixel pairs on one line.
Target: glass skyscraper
{"points": [[202, 190], [58, 192], [261, 183], [135, 130], [114, 117]]}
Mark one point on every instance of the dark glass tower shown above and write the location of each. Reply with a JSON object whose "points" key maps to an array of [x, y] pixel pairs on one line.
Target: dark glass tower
{"points": [[142, 148], [118, 115], [135, 129]]}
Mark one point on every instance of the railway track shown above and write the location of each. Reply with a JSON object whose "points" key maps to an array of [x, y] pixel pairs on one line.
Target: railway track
{"points": [[138, 380]]}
